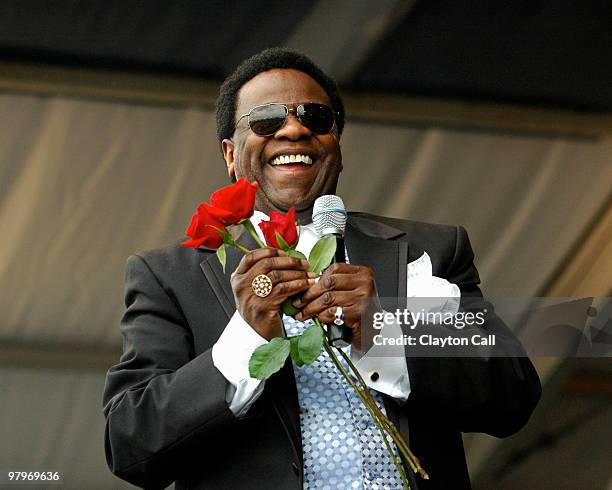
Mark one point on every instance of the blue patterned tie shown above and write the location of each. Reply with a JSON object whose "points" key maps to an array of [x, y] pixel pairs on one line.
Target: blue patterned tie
{"points": [[343, 448]]}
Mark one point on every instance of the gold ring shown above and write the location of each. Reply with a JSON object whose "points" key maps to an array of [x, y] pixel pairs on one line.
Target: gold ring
{"points": [[262, 285]]}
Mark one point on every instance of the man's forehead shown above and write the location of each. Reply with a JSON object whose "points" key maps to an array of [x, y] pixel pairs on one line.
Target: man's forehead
{"points": [[284, 85]]}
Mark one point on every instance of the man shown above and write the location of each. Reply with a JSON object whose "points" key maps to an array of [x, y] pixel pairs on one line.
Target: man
{"points": [[180, 405]]}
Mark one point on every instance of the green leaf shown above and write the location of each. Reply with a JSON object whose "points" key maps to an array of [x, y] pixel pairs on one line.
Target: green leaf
{"points": [[322, 254], [310, 344], [294, 253], [221, 256], [269, 358], [291, 252], [281, 241], [288, 309], [295, 353]]}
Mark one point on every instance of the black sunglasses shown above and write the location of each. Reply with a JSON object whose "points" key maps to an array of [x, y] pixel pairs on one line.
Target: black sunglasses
{"points": [[267, 119]]}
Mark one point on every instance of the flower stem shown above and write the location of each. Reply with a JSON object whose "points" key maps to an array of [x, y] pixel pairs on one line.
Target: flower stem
{"points": [[367, 401], [251, 229], [389, 426], [243, 249]]}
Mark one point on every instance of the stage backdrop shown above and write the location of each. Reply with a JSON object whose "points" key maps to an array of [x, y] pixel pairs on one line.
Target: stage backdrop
{"points": [[86, 183]]}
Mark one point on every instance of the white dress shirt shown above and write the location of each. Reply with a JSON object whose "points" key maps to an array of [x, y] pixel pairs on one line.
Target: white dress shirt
{"points": [[231, 353]]}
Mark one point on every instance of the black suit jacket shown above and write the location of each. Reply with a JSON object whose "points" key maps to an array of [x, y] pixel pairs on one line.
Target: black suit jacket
{"points": [[164, 402]]}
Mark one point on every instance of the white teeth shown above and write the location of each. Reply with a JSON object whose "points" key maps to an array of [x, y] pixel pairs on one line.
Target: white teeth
{"points": [[284, 159]]}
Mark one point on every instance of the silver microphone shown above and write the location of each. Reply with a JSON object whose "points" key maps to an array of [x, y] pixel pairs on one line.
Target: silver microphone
{"points": [[329, 219], [329, 215]]}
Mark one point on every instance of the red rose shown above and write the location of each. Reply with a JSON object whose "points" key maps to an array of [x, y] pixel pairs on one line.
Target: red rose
{"points": [[234, 203], [282, 224], [202, 231]]}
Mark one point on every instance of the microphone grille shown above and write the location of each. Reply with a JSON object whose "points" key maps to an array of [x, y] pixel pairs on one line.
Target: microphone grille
{"points": [[329, 215]]}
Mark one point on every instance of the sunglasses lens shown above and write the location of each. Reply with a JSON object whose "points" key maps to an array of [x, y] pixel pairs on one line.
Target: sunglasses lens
{"points": [[318, 118], [266, 119]]}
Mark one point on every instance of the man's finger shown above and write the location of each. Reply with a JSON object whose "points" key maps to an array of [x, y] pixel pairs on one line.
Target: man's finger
{"points": [[284, 290], [268, 264], [330, 282], [342, 268], [327, 300], [250, 259], [277, 276]]}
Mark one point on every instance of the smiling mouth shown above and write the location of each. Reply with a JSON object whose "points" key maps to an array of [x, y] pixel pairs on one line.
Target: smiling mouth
{"points": [[291, 159]]}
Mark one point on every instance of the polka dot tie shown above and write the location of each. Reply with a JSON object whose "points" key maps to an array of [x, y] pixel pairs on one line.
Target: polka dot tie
{"points": [[343, 448]]}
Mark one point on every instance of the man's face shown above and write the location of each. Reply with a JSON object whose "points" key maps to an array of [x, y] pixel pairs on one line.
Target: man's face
{"points": [[254, 157]]}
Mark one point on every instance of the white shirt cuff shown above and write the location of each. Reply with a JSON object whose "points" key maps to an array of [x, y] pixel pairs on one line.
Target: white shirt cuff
{"points": [[383, 367], [231, 354]]}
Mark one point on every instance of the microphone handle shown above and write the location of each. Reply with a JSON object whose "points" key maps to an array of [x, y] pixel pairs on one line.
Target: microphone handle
{"points": [[337, 335]]}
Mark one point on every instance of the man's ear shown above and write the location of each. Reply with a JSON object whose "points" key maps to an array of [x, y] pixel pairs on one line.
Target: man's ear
{"points": [[228, 147]]}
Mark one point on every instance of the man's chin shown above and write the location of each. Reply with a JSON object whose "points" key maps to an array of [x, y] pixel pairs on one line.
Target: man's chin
{"points": [[301, 208], [300, 205], [302, 202]]}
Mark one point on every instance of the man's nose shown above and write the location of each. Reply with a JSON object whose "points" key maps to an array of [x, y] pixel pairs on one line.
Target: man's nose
{"points": [[293, 129]]}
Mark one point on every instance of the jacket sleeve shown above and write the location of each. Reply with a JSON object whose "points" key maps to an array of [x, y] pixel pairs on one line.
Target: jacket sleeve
{"points": [[494, 394], [160, 399]]}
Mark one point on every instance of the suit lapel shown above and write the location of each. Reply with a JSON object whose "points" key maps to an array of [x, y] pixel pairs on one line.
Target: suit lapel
{"points": [[219, 280], [387, 258], [280, 389]]}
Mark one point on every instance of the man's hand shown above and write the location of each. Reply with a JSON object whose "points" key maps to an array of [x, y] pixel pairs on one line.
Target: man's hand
{"points": [[350, 286], [289, 276]]}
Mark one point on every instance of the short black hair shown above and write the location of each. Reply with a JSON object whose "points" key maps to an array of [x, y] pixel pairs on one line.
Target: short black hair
{"points": [[270, 59]]}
